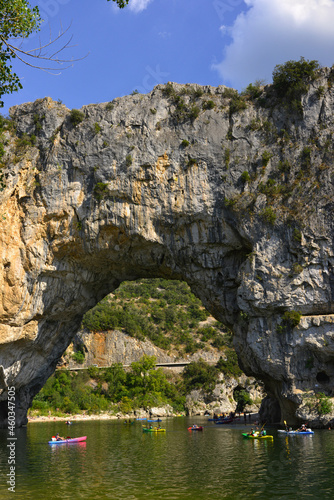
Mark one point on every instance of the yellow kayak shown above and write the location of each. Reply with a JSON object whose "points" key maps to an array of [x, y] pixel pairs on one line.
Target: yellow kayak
{"points": [[257, 435]]}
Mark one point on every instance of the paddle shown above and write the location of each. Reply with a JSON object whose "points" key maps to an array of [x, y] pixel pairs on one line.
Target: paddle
{"points": [[259, 432], [286, 426]]}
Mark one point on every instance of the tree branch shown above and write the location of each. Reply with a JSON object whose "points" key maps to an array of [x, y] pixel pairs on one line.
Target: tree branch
{"points": [[39, 54]]}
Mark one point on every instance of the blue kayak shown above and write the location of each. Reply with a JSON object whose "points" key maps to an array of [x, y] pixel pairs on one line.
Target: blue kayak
{"points": [[157, 420], [296, 433], [224, 421]]}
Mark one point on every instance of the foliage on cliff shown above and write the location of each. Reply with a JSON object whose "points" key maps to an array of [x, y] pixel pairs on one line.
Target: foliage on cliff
{"points": [[290, 80], [289, 183], [163, 311], [115, 389]]}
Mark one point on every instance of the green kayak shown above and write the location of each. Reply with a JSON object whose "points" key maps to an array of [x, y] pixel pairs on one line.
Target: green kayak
{"points": [[257, 435], [153, 429]]}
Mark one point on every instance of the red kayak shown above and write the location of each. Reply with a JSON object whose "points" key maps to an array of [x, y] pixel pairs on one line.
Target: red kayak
{"points": [[68, 440], [197, 428]]}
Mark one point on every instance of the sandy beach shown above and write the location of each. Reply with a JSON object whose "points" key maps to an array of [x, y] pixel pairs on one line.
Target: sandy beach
{"points": [[73, 418]]}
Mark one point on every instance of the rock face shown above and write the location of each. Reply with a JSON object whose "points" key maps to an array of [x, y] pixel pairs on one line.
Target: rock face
{"points": [[221, 400], [105, 348], [176, 184]]}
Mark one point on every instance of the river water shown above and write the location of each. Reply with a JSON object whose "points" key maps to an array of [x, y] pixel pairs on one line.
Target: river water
{"points": [[121, 462]]}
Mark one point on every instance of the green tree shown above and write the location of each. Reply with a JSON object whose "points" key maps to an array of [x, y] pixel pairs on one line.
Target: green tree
{"points": [[291, 79], [79, 357], [116, 378], [200, 375], [121, 3], [142, 369], [242, 398], [229, 365]]}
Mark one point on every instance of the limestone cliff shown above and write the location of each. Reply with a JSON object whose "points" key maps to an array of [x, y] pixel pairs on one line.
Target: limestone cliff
{"points": [[102, 349], [178, 184]]}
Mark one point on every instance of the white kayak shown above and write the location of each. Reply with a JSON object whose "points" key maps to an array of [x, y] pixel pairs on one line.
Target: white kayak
{"points": [[294, 433]]}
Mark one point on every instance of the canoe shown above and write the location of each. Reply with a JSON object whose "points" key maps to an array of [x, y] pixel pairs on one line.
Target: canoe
{"points": [[69, 440], [195, 428], [154, 429], [296, 433], [257, 436]]}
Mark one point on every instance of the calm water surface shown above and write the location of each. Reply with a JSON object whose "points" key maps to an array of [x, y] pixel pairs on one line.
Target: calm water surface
{"points": [[120, 462]]}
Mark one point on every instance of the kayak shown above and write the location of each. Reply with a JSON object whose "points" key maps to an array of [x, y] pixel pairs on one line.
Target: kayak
{"points": [[224, 421], [157, 420], [69, 440], [195, 428], [295, 433], [154, 429], [219, 419], [257, 436], [143, 418]]}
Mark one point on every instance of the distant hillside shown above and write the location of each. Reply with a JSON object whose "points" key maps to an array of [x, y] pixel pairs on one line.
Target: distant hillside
{"points": [[163, 311]]}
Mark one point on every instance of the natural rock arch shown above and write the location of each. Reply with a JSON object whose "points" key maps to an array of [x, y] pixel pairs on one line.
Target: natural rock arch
{"points": [[139, 189]]}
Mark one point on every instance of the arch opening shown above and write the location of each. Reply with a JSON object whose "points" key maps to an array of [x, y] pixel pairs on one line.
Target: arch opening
{"points": [[150, 317]]}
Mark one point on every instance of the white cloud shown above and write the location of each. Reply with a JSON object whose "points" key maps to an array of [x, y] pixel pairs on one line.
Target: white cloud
{"points": [[164, 34], [272, 32], [138, 5]]}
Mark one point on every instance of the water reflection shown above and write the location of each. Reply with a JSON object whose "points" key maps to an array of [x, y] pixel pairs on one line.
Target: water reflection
{"points": [[121, 462]]}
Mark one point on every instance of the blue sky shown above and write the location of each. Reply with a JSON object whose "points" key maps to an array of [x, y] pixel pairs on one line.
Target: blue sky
{"points": [[231, 42]]}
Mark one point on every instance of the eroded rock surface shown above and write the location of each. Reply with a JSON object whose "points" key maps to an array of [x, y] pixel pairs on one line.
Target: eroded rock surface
{"points": [[172, 184], [103, 349]]}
